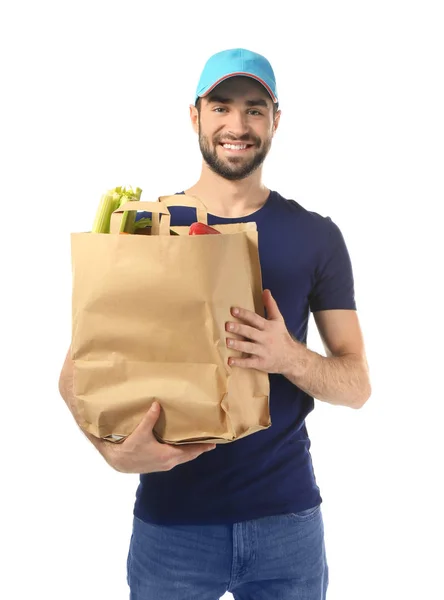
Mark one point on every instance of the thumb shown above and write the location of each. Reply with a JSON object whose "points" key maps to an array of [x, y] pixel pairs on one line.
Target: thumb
{"points": [[149, 420], [271, 306]]}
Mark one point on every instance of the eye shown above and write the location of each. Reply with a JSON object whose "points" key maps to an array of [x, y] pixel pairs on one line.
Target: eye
{"points": [[219, 109], [254, 112]]}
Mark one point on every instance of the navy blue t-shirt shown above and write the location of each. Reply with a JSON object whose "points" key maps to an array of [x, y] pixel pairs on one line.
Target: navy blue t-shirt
{"points": [[306, 266]]}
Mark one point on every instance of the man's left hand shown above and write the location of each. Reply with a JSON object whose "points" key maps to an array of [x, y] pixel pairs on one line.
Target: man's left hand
{"points": [[267, 341]]}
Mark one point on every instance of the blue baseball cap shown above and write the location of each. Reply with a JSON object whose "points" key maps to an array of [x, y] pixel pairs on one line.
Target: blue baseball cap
{"points": [[236, 62]]}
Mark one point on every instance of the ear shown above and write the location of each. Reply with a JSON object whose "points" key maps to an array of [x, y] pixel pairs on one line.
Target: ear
{"points": [[277, 118], [194, 116]]}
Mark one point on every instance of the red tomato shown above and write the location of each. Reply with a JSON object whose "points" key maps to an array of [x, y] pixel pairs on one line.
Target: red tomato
{"points": [[201, 229]]}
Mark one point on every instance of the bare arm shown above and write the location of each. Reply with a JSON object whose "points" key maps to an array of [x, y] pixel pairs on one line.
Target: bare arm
{"points": [[140, 452], [342, 377]]}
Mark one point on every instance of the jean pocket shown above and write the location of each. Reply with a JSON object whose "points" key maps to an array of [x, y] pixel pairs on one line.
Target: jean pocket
{"points": [[305, 515]]}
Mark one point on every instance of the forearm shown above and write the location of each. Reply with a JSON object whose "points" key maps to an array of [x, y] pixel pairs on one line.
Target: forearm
{"points": [[341, 380]]}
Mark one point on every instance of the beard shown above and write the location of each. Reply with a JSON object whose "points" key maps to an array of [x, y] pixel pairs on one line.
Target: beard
{"points": [[234, 168]]}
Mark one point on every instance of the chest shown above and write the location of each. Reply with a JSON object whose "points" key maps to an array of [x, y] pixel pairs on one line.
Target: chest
{"points": [[288, 270]]}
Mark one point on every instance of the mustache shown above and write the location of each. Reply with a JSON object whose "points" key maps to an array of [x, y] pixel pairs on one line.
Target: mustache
{"points": [[245, 139]]}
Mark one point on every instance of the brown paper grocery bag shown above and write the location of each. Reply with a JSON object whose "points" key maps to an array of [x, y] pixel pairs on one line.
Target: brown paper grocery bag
{"points": [[148, 323]]}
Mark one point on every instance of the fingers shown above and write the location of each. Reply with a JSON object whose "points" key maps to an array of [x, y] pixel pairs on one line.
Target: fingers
{"points": [[250, 333], [246, 347], [164, 456], [250, 317], [245, 363]]}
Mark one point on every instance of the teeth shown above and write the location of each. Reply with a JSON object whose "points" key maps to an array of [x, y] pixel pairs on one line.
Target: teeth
{"points": [[235, 146]]}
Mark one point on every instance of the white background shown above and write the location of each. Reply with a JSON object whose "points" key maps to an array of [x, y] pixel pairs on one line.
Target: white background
{"points": [[95, 95]]}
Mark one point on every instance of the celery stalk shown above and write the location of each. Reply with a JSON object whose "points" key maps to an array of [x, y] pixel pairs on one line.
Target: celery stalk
{"points": [[110, 202], [144, 222], [102, 219], [129, 218]]}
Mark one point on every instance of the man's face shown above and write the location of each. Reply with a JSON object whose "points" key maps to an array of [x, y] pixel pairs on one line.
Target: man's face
{"points": [[235, 124]]}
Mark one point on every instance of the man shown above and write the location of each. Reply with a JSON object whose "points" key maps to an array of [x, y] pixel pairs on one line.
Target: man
{"points": [[246, 517]]}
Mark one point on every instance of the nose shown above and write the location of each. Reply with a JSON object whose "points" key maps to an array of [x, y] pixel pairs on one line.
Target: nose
{"points": [[237, 123]]}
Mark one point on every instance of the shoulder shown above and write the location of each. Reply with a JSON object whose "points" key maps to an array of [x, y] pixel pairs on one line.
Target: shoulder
{"points": [[311, 220]]}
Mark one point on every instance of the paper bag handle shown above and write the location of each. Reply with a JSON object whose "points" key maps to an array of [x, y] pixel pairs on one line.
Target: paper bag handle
{"points": [[186, 200], [153, 207]]}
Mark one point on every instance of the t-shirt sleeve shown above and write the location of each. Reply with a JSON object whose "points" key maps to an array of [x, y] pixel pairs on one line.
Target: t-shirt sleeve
{"points": [[334, 283]]}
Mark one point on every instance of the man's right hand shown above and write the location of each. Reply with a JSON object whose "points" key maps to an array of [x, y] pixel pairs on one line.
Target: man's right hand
{"points": [[141, 452]]}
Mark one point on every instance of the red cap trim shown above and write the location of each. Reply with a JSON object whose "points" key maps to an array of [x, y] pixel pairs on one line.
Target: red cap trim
{"points": [[273, 97]]}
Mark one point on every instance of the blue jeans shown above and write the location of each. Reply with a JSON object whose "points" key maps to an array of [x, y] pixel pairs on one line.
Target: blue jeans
{"points": [[273, 558]]}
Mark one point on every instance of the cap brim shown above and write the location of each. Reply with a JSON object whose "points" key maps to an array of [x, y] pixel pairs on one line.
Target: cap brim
{"points": [[241, 74]]}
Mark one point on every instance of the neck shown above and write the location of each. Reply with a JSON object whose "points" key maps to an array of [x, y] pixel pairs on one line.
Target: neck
{"points": [[231, 199]]}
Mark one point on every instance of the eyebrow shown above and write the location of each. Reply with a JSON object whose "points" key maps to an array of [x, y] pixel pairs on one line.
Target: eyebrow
{"points": [[220, 99]]}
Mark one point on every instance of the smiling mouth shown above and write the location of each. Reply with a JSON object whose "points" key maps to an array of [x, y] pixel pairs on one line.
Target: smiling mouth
{"points": [[236, 147]]}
